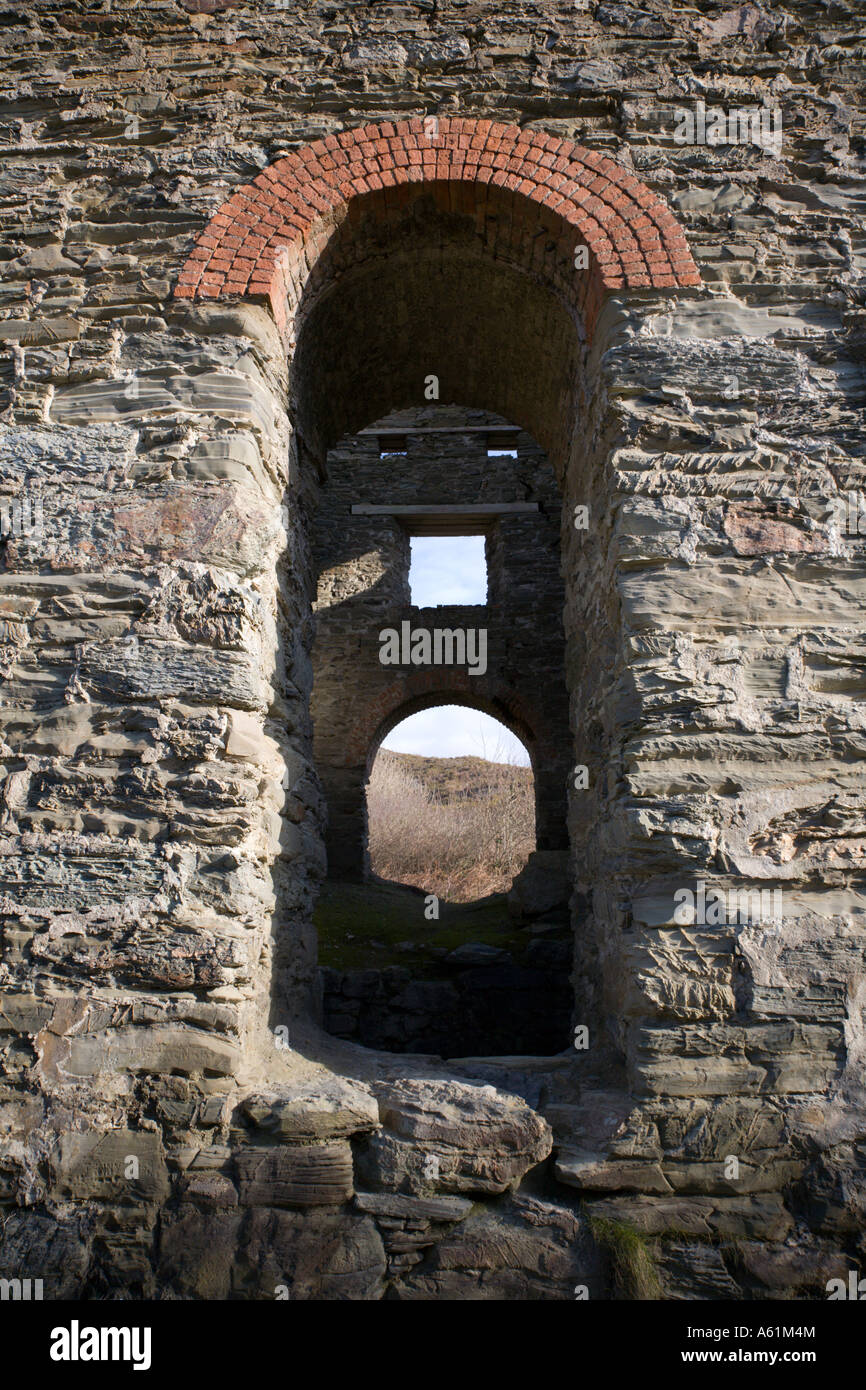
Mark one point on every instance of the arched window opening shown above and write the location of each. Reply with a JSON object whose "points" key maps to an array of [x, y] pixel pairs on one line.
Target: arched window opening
{"points": [[470, 293], [435, 952], [450, 805]]}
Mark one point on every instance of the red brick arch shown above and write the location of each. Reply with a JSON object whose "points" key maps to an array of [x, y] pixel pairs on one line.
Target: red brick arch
{"points": [[267, 236]]}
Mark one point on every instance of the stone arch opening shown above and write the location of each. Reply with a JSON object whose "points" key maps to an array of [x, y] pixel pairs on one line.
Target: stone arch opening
{"points": [[380, 212], [450, 946], [465, 263], [450, 802]]}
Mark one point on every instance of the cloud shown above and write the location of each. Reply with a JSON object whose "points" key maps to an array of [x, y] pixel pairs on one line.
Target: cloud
{"points": [[447, 569]]}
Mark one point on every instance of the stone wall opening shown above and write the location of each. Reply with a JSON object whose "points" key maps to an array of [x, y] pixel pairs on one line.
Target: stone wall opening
{"points": [[458, 976], [471, 263], [433, 953], [451, 804], [447, 569]]}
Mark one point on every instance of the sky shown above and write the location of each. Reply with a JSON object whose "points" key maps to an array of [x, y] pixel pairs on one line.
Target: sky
{"points": [[453, 731], [447, 569]]}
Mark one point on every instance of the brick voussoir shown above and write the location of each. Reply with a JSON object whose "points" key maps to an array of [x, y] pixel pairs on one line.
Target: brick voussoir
{"points": [[624, 223]]}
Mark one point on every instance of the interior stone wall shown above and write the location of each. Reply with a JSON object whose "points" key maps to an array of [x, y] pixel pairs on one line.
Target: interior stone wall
{"points": [[173, 1122]]}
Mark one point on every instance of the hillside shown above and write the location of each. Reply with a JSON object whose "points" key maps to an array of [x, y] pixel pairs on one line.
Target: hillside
{"points": [[453, 778], [458, 827]]}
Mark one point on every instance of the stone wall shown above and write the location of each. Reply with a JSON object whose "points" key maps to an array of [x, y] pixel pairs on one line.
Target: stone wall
{"points": [[484, 1001], [171, 388]]}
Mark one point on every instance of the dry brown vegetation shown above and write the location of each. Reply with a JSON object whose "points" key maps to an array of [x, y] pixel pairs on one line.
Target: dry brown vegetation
{"points": [[457, 827]]}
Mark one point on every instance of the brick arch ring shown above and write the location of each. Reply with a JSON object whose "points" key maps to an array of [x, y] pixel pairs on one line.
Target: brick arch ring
{"points": [[267, 235]]}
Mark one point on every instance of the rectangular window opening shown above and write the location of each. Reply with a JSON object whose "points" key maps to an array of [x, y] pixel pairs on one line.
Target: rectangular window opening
{"points": [[502, 444], [448, 570], [393, 446]]}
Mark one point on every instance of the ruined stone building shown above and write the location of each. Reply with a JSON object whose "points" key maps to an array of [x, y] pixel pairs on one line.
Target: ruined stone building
{"points": [[278, 281]]}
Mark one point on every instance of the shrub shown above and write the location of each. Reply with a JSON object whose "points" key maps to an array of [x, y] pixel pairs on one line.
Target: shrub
{"points": [[458, 827]]}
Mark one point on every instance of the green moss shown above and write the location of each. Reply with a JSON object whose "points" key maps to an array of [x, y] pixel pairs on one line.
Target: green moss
{"points": [[632, 1265]]}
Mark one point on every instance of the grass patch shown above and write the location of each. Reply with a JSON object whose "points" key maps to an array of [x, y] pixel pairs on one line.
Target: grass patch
{"points": [[635, 1276], [373, 925]]}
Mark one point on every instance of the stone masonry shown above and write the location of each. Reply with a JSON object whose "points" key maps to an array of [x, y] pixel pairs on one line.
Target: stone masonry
{"points": [[235, 236]]}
